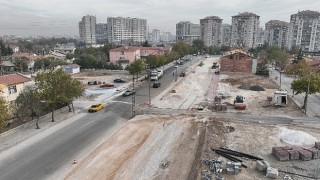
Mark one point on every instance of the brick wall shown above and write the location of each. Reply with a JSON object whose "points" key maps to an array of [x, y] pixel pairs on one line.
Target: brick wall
{"points": [[237, 62]]}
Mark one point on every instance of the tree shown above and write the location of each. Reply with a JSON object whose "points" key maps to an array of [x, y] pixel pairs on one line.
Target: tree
{"points": [[136, 67], [182, 48], [309, 84], [146, 44], [5, 112], [22, 64], [29, 104], [57, 88], [198, 46], [301, 68], [275, 55]]}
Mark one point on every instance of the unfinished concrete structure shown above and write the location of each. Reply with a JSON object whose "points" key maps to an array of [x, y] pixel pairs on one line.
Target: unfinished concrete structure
{"points": [[238, 61]]}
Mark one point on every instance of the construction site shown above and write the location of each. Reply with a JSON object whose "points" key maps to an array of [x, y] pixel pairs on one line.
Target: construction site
{"points": [[211, 125]]}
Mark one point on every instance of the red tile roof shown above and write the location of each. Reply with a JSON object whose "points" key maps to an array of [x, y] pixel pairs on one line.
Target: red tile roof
{"points": [[12, 79], [125, 48]]}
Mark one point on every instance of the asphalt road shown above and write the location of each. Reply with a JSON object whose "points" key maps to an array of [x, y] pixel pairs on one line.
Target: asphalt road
{"points": [[44, 157]]}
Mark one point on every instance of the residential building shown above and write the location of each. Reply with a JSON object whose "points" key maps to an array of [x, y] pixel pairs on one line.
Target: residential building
{"points": [[124, 31], [210, 31], [225, 34], [101, 33], [128, 54], [13, 86], [187, 32], [245, 28], [305, 30], [277, 33], [260, 37], [7, 67], [72, 68], [87, 29], [238, 61], [155, 36], [167, 37], [14, 48]]}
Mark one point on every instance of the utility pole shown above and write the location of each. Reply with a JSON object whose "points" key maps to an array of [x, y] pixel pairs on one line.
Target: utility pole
{"points": [[133, 98], [176, 74], [308, 90], [149, 77]]}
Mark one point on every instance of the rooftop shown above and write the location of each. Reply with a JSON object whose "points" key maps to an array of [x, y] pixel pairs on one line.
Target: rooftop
{"points": [[125, 48], [12, 79], [246, 14]]}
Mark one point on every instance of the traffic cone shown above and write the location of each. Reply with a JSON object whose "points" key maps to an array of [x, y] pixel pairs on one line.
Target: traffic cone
{"points": [[74, 161]]}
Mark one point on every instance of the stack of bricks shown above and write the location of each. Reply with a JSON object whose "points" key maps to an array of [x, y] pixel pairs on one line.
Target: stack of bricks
{"points": [[296, 152]]}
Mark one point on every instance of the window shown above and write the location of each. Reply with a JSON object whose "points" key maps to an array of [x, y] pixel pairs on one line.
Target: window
{"points": [[12, 89]]}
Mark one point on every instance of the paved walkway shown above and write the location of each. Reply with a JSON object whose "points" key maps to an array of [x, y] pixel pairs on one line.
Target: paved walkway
{"points": [[213, 88]]}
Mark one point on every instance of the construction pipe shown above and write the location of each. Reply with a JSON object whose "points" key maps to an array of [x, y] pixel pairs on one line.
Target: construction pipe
{"points": [[243, 154]]}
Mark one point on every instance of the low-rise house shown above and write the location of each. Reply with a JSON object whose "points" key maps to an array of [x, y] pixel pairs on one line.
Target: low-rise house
{"points": [[14, 48], [7, 67], [238, 61], [72, 68], [124, 55], [127, 54], [13, 85]]}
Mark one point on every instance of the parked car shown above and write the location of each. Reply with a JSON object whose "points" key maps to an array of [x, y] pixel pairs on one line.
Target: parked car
{"points": [[129, 92], [96, 107], [119, 81], [94, 82], [176, 66], [181, 63], [183, 74], [156, 85], [106, 85]]}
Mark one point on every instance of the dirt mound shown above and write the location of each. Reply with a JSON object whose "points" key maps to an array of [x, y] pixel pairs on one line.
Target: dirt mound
{"points": [[257, 88]]}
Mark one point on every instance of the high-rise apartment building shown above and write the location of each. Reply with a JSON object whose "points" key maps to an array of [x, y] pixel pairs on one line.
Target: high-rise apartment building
{"points": [[187, 32], [123, 31], [167, 37], [155, 37], [101, 33], [245, 28], [277, 33], [87, 29], [305, 30], [210, 30], [225, 34]]}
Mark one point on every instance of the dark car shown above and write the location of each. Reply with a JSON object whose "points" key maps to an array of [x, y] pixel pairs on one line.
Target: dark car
{"points": [[181, 63], [183, 74], [129, 92], [93, 83], [156, 85], [119, 81]]}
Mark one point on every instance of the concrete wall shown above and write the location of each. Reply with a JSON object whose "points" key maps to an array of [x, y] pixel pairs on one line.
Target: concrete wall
{"points": [[13, 96]]}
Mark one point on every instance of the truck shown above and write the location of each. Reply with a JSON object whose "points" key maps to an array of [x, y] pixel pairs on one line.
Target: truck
{"points": [[156, 75]]}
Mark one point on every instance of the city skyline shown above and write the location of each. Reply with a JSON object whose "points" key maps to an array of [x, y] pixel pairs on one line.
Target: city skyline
{"points": [[40, 18]]}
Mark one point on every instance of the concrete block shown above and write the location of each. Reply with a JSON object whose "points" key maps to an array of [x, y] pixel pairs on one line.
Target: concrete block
{"points": [[305, 155], [230, 171], [219, 177], [281, 155], [287, 148], [229, 164], [262, 165], [236, 169], [276, 149], [317, 145], [297, 148], [315, 153], [237, 164], [272, 172], [294, 154]]}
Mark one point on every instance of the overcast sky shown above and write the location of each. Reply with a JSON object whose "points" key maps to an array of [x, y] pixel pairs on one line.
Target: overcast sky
{"points": [[61, 17]]}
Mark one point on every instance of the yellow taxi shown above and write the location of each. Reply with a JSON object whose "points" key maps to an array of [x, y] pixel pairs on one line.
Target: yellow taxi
{"points": [[96, 107]]}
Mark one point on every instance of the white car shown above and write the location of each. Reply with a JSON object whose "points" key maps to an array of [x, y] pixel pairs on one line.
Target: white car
{"points": [[176, 66]]}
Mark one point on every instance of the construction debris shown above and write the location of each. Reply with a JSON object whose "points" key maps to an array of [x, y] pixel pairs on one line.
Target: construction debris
{"points": [[317, 145], [262, 166], [272, 172], [256, 88], [215, 168]]}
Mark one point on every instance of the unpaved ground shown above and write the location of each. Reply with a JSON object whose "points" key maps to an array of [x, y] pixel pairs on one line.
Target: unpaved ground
{"points": [[171, 147]]}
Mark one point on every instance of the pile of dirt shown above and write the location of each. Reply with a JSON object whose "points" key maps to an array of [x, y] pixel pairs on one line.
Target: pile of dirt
{"points": [[257, 88]]}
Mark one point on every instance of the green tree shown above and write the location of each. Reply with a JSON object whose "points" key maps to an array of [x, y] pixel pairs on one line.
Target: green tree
{"points": [[57, 88], [301, 68], [146, 44], [28, 104], [182, 48], [5, 112], [309, 84], [275, 55], [136, 67], [22, 64], [198, 46]]}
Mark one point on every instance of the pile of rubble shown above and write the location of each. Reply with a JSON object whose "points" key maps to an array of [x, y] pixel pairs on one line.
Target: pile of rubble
{"points": [[297, 152]]}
